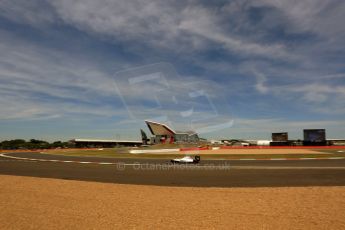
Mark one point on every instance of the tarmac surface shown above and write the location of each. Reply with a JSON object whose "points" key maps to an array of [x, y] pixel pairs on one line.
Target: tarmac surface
{"points": [[216, 173]]}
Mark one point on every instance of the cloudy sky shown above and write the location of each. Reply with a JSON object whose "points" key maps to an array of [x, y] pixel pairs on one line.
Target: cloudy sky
{"points": [[228, 69]]}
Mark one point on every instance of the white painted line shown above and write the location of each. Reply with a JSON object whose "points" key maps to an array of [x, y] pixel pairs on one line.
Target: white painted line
{"points": [[278, 159], [130, 164]]}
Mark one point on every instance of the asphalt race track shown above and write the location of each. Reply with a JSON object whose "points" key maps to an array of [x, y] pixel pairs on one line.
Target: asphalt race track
{"points": [[218, 173]]}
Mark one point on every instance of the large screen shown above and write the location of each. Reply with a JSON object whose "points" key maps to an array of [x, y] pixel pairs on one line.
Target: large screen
{"points": [[280, 137], [314, 135]]}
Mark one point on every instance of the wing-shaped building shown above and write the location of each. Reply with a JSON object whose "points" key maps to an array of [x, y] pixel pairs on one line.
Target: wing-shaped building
{"points": [[162, 133]]}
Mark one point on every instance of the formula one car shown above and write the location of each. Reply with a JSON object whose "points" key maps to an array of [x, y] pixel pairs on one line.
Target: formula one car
{"points": [[186, 160]]}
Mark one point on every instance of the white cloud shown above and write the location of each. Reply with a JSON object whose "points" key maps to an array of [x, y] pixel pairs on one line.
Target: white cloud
{"points": [[261, 80], [33, 12], [160, 24], [316, 96], [44, 83], [289, 70], [165, 23], [262, 128], [324, 17], [37, 82]]}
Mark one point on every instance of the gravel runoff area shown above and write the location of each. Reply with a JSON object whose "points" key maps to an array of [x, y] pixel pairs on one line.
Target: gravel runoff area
{"points": [[37, 203]]}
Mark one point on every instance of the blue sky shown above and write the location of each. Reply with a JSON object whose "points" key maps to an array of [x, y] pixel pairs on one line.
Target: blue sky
{"points": [[228, 69]]}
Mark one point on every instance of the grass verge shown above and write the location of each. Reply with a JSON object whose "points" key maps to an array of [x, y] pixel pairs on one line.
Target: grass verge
{"points": [[120, 153]]}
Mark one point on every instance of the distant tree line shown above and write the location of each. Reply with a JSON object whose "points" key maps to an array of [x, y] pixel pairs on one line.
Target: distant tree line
{"points": [[33, 144]]}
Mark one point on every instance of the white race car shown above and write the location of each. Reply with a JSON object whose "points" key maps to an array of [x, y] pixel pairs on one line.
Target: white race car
{"points": [[186, 160]]}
